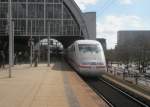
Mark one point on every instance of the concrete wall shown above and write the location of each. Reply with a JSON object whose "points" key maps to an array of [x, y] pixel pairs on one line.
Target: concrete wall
{"points": [[90, 20]]}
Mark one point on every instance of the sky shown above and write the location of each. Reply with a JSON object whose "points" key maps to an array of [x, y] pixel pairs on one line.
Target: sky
{"points": [[115, 15]]}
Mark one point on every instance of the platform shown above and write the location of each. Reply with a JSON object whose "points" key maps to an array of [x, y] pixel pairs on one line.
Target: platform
{"points": [[42, 86]]}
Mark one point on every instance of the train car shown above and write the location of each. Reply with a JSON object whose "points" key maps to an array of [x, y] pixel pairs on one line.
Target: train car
{"points": [[87, 57]]}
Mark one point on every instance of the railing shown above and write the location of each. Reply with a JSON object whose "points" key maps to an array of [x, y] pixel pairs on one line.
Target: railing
{"points": [[131, 76]]}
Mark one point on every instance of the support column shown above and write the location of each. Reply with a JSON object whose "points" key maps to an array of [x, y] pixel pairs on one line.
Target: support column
{"points": [[10, 38], [62, 18], [48, 46], [39, 49], [27, 34], [44, 17], [13, 44], [31, 47]]}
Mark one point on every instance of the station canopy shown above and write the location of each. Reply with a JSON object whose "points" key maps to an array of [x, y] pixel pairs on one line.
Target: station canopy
{"points": [[42, 18]]}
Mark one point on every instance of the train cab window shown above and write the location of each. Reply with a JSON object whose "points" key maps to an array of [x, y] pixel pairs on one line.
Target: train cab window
{"points": [[89, 48]]}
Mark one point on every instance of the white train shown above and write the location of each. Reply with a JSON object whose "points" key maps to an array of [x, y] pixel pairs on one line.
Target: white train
{"points": [[87, 57]]}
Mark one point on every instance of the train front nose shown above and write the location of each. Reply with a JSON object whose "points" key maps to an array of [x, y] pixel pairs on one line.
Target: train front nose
{"points": [[92, 68]]}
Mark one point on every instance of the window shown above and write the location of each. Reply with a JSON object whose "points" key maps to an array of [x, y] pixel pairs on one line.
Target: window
{"points": [[89, 48], [28, 16]]}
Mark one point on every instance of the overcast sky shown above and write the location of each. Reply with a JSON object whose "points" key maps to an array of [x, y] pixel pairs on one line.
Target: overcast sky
{"points": [[115, 15]]}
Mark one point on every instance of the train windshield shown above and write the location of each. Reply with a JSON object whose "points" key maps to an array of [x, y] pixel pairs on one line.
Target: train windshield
{"points": [[89, 48]]}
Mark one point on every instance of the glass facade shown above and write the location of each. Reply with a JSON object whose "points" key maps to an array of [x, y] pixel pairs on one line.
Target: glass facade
{"points": [[38, 18]]}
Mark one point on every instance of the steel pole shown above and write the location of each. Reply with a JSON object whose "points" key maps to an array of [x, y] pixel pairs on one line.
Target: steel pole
{"points": [[31, 51], [39, 49], [10, 37], [13, 44], [31, 47], [48, 55]]}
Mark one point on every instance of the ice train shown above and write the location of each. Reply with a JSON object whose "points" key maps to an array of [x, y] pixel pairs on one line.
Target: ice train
{"points": [[87, 57]]}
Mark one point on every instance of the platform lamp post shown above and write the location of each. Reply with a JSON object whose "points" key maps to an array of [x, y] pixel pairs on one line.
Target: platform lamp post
{"points": [[13, 52], [31, 46], [48, 46], [39, 53], [10, 38], [31, 50]]}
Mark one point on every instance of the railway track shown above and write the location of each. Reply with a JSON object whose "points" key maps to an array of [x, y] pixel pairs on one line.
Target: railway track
{"points": [[113, 96]]}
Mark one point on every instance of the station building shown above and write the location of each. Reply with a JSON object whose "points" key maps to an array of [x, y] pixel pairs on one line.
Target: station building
{"points": [[59, 19], [134, 44], [136, 38], [34, 20]]}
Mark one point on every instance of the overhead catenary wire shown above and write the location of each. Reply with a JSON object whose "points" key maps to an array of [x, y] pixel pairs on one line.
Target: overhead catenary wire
{"points": [[106, 5]]}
